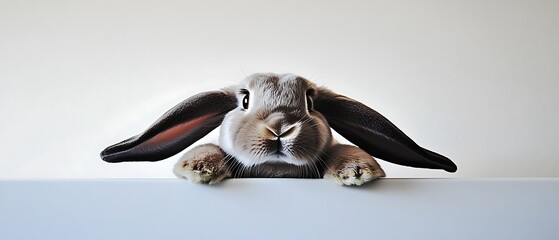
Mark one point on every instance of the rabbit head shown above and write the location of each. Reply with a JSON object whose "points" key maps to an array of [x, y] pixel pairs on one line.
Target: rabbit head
{"points": [[275, 121]]}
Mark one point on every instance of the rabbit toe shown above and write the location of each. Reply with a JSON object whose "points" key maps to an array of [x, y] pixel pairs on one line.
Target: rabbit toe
{"points": [[203, 164], [355, 174]]}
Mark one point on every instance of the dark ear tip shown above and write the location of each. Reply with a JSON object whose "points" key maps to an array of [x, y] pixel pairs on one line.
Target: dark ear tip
{"points": [[104, 157], [107, 156], [451, 168]]}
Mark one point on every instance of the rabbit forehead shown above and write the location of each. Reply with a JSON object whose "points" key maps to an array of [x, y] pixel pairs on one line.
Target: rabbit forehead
{"points": [[272, 90], [276, 81]]}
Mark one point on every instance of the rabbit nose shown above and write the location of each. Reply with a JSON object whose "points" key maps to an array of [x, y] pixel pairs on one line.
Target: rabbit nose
{"points": [[280, 125], [284, 131]]}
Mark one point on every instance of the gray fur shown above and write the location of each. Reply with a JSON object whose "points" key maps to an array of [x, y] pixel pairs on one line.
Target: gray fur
{"points": [[276, 126], [277, 102]]}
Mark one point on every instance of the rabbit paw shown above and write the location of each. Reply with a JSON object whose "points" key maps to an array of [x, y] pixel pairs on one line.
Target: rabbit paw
{"points": [[202, 164], [354, 173]]}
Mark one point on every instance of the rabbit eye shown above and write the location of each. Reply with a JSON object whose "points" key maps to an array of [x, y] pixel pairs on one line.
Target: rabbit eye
{"points": [[309, 94], [245, 102], [309, 103], [245, 98]]}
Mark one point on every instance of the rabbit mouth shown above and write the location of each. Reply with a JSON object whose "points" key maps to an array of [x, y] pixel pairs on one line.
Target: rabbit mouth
{"points": [[280, 152], [283, 158]]}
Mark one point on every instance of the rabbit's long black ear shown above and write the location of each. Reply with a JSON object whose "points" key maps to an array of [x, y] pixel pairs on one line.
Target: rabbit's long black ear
{"points": [[375, 134], [177, 129]]}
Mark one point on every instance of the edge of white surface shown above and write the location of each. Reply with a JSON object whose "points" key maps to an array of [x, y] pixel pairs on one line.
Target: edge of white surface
{"points": [[511, 208]]}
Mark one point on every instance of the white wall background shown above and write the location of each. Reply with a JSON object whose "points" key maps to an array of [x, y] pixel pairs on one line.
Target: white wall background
{"points": [[473, 80]]}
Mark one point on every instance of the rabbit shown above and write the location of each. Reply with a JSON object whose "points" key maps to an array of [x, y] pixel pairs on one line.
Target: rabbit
{"points": [[276, 126]]}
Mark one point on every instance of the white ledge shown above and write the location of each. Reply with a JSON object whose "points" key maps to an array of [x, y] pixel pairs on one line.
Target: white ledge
{"points": [[280, 209]]}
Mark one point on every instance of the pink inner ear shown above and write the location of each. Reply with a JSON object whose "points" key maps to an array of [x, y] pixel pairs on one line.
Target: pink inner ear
{"points": [[174, 133]]}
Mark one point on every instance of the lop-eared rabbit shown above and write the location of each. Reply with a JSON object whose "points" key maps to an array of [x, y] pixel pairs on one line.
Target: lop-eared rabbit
{"points": [[276, 126]]}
